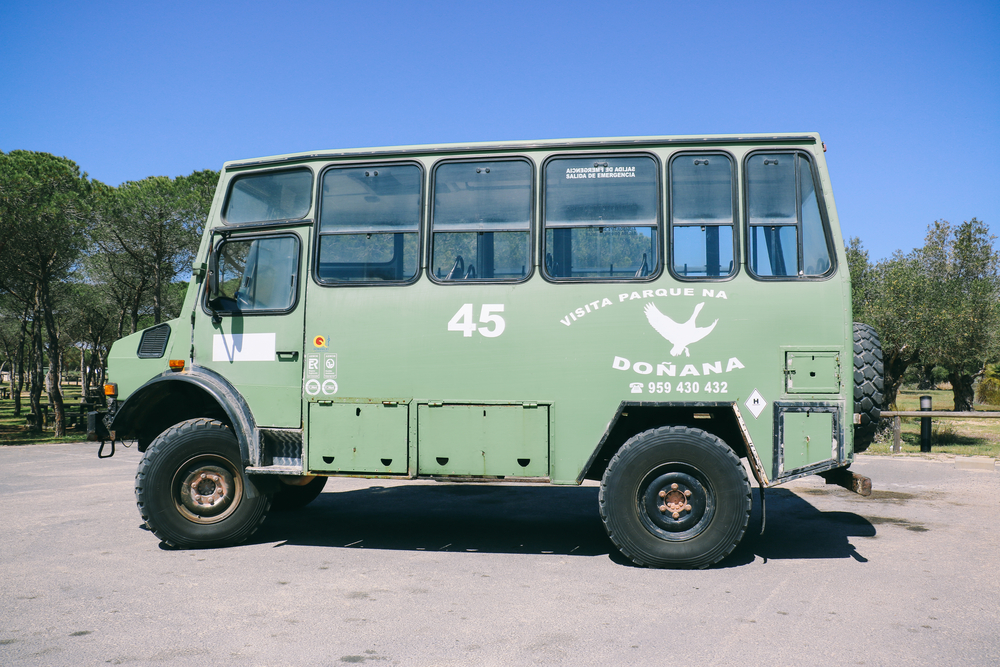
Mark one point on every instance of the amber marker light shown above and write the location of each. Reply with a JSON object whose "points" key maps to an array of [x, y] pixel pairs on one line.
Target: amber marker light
{"points": [[111, 389], [176, 364]]}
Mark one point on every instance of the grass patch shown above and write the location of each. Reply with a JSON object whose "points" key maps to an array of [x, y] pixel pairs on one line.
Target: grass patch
{"points": [[961, 437], [14, 430]]}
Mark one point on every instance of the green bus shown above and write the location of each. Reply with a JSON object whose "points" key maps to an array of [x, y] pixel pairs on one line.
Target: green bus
{"points": [[661, 314]]}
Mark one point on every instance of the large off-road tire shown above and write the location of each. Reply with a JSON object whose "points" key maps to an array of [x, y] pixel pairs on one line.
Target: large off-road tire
{"points": [[190, 487], [868, 384], [292, 496], [675, 497]]}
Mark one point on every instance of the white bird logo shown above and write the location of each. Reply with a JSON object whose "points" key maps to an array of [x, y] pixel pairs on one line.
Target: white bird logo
{"points": [[681, 335]]}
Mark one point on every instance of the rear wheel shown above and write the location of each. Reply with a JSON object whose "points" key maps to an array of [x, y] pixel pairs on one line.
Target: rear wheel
{"points": [[190, 488], [292, 496], [868, 384], [675, 497]]}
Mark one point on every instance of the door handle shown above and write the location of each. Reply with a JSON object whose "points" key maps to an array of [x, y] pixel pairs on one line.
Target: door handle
{"points": [[292, 355]]}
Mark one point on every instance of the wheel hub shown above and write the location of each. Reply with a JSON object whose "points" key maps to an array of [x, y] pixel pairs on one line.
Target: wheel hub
{"points": [[207, 491], [674, 502]]}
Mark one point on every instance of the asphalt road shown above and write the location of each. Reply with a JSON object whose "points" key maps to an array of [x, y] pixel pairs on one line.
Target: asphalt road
{"points": [[438, 574]]}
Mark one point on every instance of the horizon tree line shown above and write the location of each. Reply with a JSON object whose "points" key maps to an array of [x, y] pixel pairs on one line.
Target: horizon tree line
{"points": [[83, 263]]}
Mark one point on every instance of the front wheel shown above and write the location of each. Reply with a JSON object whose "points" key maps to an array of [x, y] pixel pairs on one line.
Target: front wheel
{"points": [[190, 487], [675, 497]]}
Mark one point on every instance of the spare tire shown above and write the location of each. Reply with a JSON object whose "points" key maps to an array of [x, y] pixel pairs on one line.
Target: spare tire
{"points": [[868, 384]]}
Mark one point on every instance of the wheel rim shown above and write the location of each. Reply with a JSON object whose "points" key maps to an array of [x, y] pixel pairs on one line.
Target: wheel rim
{"points": [[207, 489], [675, 502]]}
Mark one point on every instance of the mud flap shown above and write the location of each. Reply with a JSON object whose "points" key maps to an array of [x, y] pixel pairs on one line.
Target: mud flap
{"points": [[851, 481], [96, 428]]}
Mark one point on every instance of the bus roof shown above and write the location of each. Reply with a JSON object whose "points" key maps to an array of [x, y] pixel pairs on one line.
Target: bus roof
{"points": [[506, 146]]}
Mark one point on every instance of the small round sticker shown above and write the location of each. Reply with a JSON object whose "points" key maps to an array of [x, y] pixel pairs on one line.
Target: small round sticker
{"points": [[330, 387], [319, 341], [312, 387]]}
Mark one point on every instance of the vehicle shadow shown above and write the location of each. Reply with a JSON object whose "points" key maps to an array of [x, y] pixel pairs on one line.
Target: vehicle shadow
{"points": [[535, 520], [448, 517], [796, 529]]}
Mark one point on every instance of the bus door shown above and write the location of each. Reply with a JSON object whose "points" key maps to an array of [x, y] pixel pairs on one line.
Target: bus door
{"points": [[252, 334]]}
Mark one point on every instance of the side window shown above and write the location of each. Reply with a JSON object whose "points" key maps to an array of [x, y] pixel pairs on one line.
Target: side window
{"points": [[481, 221], [259, 274], [369, 224], [601, 218], [786, 232], [271, 195], [702, 216]]}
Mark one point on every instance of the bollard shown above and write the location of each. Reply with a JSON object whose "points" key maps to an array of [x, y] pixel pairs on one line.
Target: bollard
{"points": [[925, 424]]}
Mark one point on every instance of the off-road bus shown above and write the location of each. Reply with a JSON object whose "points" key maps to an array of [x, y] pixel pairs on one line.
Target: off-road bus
{"points": [[649, 312]]}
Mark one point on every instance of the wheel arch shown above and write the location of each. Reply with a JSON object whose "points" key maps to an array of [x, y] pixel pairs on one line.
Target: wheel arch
{"points": [[172, 397], [632, 418]]}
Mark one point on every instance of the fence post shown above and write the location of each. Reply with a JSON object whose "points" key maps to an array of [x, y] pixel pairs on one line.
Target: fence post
{"points": [[925, 424], [897, 435]]}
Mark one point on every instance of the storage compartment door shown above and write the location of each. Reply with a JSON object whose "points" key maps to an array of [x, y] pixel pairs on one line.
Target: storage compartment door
{"points": [[358, 438], [806, 436], [812, 372], [483, 440]]}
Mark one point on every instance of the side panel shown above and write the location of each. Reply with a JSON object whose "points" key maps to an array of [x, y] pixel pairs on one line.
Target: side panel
{"points": [[581, 349]]}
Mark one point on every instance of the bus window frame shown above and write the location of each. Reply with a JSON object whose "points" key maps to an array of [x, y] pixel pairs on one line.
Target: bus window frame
{"points": [[655, 272], [255, 235], [736, 224], [532, 219], [318, 235], [244, 173], [823, 216]]}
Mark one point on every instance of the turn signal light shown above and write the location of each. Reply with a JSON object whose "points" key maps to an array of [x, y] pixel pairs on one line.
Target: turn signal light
{"points": [[176, 364], [111, 389]]}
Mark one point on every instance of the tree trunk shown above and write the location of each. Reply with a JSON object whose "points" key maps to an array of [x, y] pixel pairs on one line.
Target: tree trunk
{"points": [[55, 363], [157, 296], [13, 385], [134, 312], [894, 364], [961, 390], [84, 375], [16, 390], [21, 340], [121, 324], [37, 371], [926, 382]]}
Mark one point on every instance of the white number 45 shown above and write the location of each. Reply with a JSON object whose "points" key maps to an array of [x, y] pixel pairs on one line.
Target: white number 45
{"points": [[462, 320]]}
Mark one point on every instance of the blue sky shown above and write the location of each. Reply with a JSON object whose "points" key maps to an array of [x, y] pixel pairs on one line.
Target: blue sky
{"points": [[905, 94]]}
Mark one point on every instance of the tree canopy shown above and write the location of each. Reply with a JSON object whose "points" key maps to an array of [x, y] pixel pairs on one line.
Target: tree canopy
{"points": [[83, 263], [937, 305], [44, 207]]}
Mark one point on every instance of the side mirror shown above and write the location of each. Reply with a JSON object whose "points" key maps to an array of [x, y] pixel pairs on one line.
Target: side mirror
{"points": [[213, 277], [212, 285]]}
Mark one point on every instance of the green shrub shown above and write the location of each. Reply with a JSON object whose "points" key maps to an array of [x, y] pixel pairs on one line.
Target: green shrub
{"points": [[989, 386]]}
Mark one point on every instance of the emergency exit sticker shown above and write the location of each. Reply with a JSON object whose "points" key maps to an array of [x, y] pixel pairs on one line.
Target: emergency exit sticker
{"points": [[756, 404]]}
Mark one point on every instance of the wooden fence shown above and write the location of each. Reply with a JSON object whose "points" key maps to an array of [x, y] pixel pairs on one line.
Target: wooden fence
{"points": [[928, 414]]}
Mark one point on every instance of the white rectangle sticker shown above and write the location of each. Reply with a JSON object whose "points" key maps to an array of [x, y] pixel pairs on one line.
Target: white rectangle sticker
{"points": [[243, 347]]}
